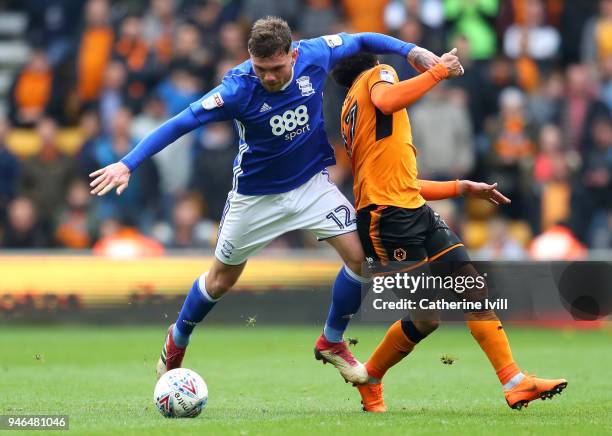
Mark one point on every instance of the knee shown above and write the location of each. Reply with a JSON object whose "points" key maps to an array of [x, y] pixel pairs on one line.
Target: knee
{"points": [[355, 266], [427, 327], [354, 262]]}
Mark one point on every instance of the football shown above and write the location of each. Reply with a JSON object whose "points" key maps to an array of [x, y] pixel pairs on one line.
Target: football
{"points": [[180, 393]]}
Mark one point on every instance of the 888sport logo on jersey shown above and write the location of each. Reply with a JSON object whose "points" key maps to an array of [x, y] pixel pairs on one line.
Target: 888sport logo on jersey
{"points": [[291, 123]]}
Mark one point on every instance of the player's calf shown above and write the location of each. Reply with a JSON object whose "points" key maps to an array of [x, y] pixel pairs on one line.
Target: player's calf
{"points": [[197, 305]]}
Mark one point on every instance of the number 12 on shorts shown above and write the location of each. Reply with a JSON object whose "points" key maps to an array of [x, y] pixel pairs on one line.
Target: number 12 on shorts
{"points": [[341, 216]]}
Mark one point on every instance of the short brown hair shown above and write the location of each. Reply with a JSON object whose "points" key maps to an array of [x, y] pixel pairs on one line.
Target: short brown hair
{"points": [[269, 36]]}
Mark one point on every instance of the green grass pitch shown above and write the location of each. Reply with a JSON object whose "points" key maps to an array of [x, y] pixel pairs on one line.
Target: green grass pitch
{"points": [[264, 380]]}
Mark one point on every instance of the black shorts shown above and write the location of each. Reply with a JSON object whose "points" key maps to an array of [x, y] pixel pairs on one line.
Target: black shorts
{"points": [[395, 234]]}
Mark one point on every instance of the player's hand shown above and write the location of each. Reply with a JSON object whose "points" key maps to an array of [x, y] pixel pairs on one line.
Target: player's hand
{"points": [[451, 61], [115, 175], [485, 191], [422, 59]]}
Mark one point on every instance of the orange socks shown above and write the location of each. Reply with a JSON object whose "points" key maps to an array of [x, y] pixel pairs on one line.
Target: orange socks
{"points": [[494, 342], [393, 348], [485, 328]]}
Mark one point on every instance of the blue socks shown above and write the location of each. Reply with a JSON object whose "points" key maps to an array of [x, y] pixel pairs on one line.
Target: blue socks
{"points": [[346, 299], [196, 306]]}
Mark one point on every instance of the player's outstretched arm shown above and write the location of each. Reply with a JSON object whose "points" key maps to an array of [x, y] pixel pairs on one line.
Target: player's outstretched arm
{"points": [[482, 190], [117, 175], [390, 98], [345, 44], [432, 191], [349, 44]]}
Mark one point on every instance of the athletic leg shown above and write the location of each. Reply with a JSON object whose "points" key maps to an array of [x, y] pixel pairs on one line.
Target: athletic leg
{"points": [[202, 297], [488, 331], [249, 223], [390, 234], [322, 209]]}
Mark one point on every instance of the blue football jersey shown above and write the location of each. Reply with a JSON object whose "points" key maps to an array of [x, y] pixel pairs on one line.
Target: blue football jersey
{"points": [[282, 136]]}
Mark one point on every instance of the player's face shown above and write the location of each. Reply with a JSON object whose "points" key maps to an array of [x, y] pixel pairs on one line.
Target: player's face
{"points": [[274, 71]]}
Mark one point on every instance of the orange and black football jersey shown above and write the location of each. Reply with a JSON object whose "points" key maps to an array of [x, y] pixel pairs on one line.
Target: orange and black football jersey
{"points": [[380, 146]]}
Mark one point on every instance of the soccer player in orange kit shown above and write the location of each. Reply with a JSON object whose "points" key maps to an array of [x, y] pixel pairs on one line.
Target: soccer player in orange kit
{"points": [[395, 223]]}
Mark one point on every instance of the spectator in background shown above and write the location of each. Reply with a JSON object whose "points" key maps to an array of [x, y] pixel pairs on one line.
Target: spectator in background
{"points": [[580, 106], [500, 244], [550, 146], [574, 17], [46, 176], [94, 51], [207, 17], [532, 44], [212, 167], [33, 93], [9, 171], [513, 136], [557, 243], [597, 35], [75, 225], [485, 85], [159, 27], [232, 42], [139, 203], [161, 63], [365, 15], [606, 75], [112, 95], [123, 240], [174, 163], [252, 10], [545, 103], [132, 50], [597, 181], [152, 116], [442, 134], [555, 193], [398, 11], [53, 23], [512, 150], [23, 230], [188, 229], [473, 19], [179, 89], [89, 125], [533, 38], [189, 52], [429, 14], [318, 17]]}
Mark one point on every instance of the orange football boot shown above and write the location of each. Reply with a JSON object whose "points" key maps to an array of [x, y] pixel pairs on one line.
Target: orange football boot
{"points": [[531, 388], [372, 397]]}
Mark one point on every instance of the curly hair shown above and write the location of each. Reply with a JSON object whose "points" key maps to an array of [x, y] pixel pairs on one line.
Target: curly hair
{"points": [[348, 69]]}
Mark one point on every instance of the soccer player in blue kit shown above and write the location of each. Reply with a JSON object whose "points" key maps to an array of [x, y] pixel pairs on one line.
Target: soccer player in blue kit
{"points": [[280, 182]]}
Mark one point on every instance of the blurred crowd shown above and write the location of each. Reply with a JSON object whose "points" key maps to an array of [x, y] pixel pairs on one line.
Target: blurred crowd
{"points": [[532, 112]]}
